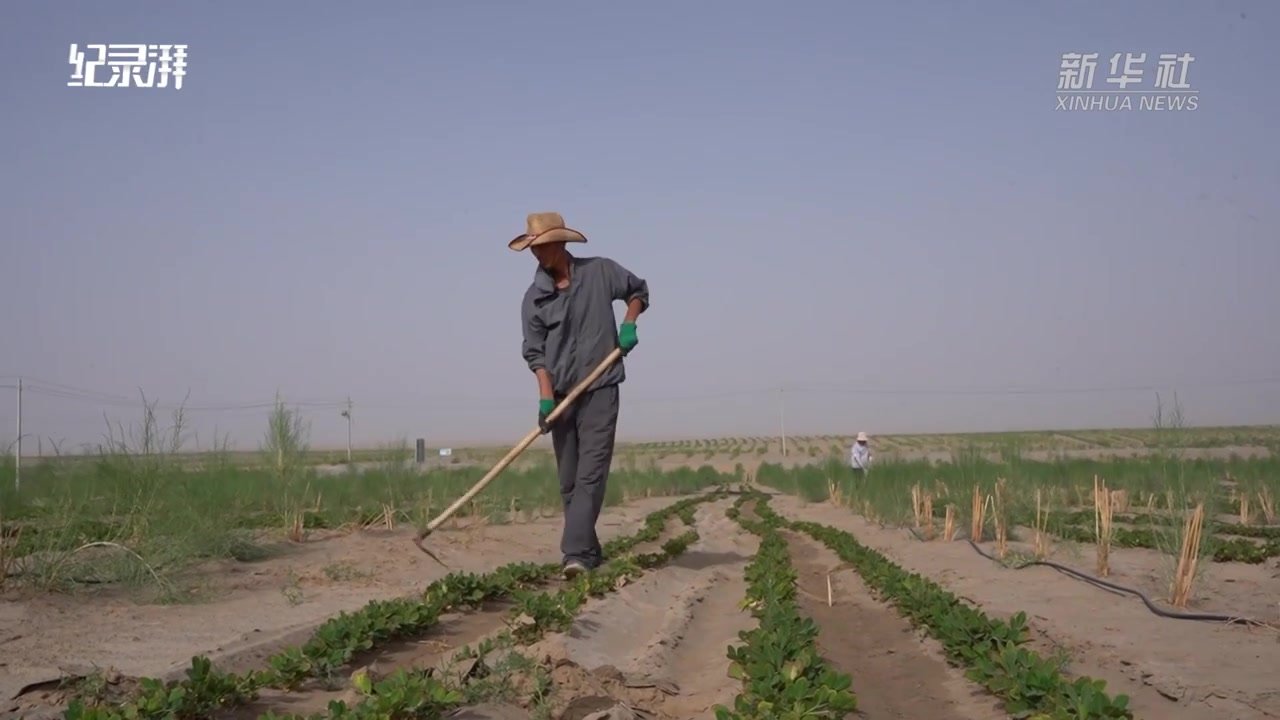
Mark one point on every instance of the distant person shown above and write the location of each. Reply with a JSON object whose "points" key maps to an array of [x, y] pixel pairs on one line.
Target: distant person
{"points": [[568, 320], [860, 455]]}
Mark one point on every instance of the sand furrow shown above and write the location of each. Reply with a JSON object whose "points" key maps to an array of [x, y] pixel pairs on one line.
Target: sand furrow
{"points": [[668, 632], [896, 673]]}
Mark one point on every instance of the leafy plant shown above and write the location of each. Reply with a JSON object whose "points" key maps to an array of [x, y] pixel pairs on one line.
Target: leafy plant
{"points": [[778, 663], [993, 651], [333, 644]]}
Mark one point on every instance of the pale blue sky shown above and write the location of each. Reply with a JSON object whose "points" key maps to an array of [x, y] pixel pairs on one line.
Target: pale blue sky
{"points": [[827, 195]]}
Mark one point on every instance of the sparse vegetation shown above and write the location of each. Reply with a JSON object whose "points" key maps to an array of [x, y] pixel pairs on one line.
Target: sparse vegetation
{"points": [[142, 516]]}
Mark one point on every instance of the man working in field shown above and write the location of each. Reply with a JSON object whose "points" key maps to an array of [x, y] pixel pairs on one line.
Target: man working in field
{"points": [[567, 314]]}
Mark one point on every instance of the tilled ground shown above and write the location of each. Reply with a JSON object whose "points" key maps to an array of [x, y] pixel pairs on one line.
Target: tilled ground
{"points": [[511, 674], [1174, 669], [655, 648], [255, 608], [897, 673], [659, 645]]}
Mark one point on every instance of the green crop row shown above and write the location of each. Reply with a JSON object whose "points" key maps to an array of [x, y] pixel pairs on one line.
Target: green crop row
{"points": [[783, 676], [338, 640], [1086, 517], [1221, 550], [993, 651], [420, 693]]}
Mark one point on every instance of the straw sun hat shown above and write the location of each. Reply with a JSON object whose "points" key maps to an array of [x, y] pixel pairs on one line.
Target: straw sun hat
{"points": [[542, 228]]}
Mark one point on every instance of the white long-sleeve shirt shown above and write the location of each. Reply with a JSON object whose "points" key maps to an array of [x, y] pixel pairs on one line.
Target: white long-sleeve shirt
{"points": [[860, 456]]}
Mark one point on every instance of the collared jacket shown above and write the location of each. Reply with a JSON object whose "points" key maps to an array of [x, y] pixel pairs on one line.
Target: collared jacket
{"points": [[860, 456], [568, 332]]}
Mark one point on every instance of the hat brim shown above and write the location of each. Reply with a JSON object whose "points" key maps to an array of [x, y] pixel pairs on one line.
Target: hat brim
{"points": [[524, 241]]}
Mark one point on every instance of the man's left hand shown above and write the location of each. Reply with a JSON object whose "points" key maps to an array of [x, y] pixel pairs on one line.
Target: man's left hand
{"points": [[627, 337]]}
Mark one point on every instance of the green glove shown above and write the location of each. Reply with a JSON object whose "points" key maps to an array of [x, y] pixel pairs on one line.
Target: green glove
{"points": [[627, 337], [545, 406]]}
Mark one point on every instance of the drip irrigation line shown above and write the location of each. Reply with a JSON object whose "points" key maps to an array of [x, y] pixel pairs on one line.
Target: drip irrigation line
{"points": [[1099, 582], [1120, 589]]}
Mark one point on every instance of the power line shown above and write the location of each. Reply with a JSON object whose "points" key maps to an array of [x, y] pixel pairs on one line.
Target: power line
{"points": [[1029, 391], [191, 408], [57, 390], [72, 389], [763, 391], [102, 399]]}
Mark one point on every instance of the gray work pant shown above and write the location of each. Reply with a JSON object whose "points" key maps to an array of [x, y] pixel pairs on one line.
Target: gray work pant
{"points": [[583, 441]]}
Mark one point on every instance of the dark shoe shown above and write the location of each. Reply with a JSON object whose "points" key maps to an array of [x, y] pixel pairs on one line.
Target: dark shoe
{"points": [[573, 568]]}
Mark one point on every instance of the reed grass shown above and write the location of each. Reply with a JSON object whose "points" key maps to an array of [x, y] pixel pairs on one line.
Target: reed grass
{"points": [[162, 515], [173, 511], [1188, 559]]}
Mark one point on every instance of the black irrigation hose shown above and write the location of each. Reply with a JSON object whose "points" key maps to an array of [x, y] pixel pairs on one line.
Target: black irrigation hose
{"points": [[1209, 617], [1098, 582]]}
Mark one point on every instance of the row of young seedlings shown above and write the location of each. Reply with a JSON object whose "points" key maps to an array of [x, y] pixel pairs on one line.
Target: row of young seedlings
{"points": [[425, 693], [338, 641], [992, 651], [1083, 517], [778, 663], [1238, 550]]}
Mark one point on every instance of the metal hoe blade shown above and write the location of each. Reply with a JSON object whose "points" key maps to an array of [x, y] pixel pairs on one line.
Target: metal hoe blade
{"points": [[418, 541]]}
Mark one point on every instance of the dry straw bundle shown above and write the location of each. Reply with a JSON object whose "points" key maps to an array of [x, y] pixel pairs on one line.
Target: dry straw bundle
{"points": [[1102, 512], [1042, 523], [979, 515], [1120, 501], [1267, 504], [922, 510], [997, 508], [835, 494], [1188, 558]]}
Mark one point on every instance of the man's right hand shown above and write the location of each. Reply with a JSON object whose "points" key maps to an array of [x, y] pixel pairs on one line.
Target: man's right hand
{"points": [[545, 406]]}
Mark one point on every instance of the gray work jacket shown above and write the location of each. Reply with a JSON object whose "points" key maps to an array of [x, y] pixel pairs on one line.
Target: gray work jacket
{"points": [[568, 332]]}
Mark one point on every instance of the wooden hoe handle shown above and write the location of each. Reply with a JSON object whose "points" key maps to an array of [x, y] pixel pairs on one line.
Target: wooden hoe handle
{"points": [[514, 452]]}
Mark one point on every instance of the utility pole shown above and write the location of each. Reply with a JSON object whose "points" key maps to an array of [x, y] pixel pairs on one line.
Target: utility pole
{"points": [[347, 414], [782, 421], [17, 456]]}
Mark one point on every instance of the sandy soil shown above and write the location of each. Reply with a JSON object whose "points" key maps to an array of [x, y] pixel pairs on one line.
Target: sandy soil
{"points": [[649, 646], [670, 630], [897, 674], [252, 609], [1174, 669], [658, 644]]}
